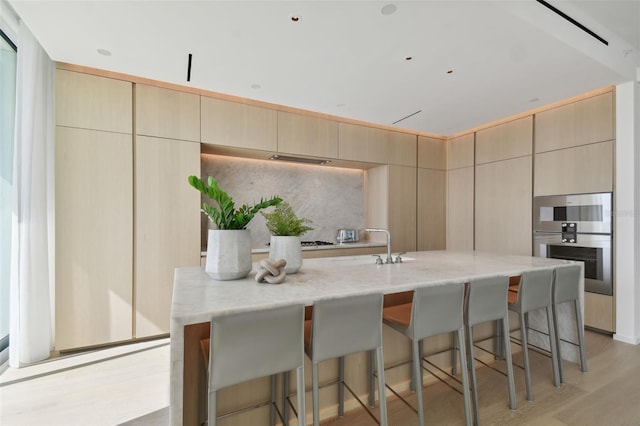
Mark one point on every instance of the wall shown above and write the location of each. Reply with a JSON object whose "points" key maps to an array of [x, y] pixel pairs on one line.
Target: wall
{"points": [[332, 198]]}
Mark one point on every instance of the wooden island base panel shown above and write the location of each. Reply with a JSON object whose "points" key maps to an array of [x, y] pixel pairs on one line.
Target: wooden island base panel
{"points": [[197, 298]]}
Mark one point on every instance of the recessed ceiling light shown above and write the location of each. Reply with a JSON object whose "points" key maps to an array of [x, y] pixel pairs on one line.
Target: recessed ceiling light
{"points": [[450, 72], [340, 105], [104, 52], [295, 18], [389, 9], [408, 58], [534, 99], [256, 86]]}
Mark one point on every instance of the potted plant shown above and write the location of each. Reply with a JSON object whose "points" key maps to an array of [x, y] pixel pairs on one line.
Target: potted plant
{"points": [[286, 229], [229, 246]]}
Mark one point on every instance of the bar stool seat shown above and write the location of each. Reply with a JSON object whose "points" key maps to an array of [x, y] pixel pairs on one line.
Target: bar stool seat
{"points": [[250, 345], [566, 288], [533, 293], [434, 310]]}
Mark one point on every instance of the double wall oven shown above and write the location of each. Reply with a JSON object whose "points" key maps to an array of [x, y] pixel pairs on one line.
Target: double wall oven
{"points": [[577, 227]]}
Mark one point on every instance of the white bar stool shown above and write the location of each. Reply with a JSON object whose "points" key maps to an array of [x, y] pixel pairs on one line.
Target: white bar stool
{"points": [[566, 288], [533, 293], [434, 310], [255, 344], [487, 301], [340, 327]]}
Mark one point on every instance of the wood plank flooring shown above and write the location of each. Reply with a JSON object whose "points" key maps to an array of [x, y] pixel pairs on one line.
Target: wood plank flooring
{"points": [[129, 385]]}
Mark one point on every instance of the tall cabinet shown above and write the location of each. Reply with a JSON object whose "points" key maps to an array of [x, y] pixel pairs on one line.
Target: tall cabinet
{"points": [[432, 194], [94, 210], [460, 192], [503, 194]]}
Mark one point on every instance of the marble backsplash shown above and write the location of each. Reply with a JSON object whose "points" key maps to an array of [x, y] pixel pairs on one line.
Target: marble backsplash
{"points": [[333, 198]]}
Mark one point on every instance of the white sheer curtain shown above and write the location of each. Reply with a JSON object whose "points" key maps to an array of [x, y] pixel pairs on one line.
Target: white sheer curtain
{"points": [[32, 240]]}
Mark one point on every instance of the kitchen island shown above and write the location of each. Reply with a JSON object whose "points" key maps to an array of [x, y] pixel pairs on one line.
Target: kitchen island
{"points": [[197, 298]]}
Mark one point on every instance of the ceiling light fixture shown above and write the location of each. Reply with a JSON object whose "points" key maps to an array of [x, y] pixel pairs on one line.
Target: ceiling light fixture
{"points": [[104, 52], [408, 58], [295, 18], [303, 160], [389, 9], [450, 72]]}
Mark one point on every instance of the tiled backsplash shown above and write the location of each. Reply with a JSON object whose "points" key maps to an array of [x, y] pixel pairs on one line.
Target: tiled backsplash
{"points": [[331, 197]]}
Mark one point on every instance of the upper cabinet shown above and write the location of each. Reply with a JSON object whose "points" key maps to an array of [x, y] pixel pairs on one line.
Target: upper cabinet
{"points": [[238, 125], [92, 102], [432, 153], [579, 123], [167, 113], [460, 152], [307, 135], [504, 141], [372, 145]]}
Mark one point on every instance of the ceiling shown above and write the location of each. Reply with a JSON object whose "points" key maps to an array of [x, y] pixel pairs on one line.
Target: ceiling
{"points": [[471, 62]]}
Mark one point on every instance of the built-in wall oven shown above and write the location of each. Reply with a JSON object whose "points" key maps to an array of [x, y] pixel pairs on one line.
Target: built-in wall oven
{"points": [[577, 227]]}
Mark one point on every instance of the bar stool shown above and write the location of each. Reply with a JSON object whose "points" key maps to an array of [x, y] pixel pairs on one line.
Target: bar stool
{"points": [[486, 300], [340, 327], [533, 293], [434, 310], [566, 288], [256, 344]]}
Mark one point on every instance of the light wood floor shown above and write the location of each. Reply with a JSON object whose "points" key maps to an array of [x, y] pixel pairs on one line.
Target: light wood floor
{"points": [[129, 385]]}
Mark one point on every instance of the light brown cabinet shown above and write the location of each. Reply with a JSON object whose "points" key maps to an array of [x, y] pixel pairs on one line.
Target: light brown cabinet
{"points": [[503, 204], [373, 145], [402, 207], [460, 192], [307, 136], [581, 169], [431, 194], [599, 312], [90, 102], [432, 153], [167, 226], [167, 113], [579, 123], [504, 141], [94, 237], [238, 125]]}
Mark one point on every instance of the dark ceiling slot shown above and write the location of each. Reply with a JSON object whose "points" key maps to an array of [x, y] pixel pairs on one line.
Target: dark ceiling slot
{"points": [[404, 118], [189, 68], [573, 21]]}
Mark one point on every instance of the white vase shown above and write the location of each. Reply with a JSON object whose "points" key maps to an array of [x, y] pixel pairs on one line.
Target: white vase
{"points": [[228, 254], [289, 249]]}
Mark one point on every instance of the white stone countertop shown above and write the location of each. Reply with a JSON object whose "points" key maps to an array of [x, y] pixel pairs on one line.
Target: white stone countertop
{"points": [[197, 298], [361, 244]]}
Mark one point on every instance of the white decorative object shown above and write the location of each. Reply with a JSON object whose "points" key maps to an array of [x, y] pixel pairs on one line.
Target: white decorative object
{"points": [[271, 271], [228, 254], [288, 248]]}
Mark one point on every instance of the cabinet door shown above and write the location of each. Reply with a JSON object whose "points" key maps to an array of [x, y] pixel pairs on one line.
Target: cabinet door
{"points": [[402, 208], [581, 169], [167, 226], [361, 143], [403, 149], [460, 209], [460, 152], [432, 212], [167, 113], [94, 237], [503, 206], [432, 153], [238, 125], [91, 102], [508, 140], [579, 123], [305, 135]]}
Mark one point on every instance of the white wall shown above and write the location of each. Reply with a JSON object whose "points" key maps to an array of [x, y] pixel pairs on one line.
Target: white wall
{"points": [[627, 212]]}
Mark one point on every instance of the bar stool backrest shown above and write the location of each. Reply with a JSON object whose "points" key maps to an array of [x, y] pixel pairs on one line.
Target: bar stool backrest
{"points": [[535, 290], [436, 310], [487, 299], [255, 344], [345, 326], [567, 284]]}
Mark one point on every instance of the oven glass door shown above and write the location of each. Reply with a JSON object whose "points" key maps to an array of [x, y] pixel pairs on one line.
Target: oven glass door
{"points": [[593, 250]]}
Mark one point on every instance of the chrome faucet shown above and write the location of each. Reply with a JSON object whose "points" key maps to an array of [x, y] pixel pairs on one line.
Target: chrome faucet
{"points": [[389, 258]]}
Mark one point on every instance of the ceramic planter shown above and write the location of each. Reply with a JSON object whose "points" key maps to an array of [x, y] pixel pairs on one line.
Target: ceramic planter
{"points": [[228, 254], [289, 249]]}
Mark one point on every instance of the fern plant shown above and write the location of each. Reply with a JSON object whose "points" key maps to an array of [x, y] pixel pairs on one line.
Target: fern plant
{"points": [[282, 221], [226, 216]]}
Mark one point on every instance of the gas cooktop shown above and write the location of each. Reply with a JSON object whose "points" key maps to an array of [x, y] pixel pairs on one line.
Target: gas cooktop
{"points": [[314, 243]]}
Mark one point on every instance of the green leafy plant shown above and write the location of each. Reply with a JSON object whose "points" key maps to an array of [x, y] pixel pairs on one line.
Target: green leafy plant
{"points": [[226, 216], [282, 221]]}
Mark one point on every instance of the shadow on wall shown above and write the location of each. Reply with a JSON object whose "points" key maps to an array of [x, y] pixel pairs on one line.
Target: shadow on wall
{"points": [[333, 198]]}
